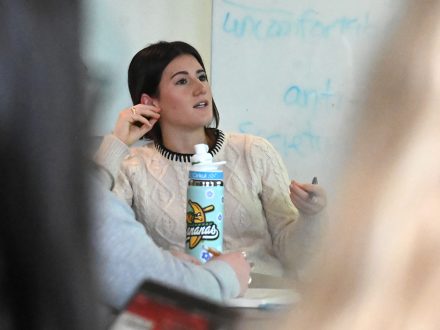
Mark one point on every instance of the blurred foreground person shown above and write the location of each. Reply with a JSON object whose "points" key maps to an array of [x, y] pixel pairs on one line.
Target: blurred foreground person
{"points": [[380, 264], [45, 273]]}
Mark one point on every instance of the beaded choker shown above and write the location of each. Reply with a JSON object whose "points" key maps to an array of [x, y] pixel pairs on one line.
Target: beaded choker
{"points": [[186, 158]]}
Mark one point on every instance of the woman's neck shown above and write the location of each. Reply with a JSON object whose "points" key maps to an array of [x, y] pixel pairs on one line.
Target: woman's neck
{"points": [[183, 142]]}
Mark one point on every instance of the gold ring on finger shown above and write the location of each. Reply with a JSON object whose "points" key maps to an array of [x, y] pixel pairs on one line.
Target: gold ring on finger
{"points": [[133, 110]]}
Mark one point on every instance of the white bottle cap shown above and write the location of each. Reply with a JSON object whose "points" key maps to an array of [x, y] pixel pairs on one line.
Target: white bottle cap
{"points": [[202, 155]]}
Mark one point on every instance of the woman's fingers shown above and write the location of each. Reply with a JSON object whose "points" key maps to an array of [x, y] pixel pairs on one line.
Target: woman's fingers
{"points": [[145, 110], [145, 114], [135, 121], [298, 190], [308, 198]]}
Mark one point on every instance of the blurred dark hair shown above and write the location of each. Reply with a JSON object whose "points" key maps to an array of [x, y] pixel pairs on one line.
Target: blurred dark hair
{"points": [[46, 280], [145, 72]]}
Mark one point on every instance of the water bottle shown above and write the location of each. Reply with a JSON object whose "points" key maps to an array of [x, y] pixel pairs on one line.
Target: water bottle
{"points": [[205, 206]]}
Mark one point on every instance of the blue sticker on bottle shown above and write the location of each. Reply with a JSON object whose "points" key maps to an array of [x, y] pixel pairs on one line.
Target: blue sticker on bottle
{"points": [[204, 221]]}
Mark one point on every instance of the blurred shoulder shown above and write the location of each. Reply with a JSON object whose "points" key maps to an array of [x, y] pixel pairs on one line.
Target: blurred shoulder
{"points": [[243, 140]]}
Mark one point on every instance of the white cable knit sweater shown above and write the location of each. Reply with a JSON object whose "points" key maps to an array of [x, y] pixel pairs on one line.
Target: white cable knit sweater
{"points": [[259, 215]]}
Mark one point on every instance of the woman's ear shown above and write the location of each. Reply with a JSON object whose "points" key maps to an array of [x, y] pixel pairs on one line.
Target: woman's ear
{"points": [[147, 99]]}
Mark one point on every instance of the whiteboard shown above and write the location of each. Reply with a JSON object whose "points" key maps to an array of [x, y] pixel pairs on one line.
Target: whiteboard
{"points": [[295, 72]]}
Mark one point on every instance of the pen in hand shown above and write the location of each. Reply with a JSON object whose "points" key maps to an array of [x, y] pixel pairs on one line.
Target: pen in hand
{"points": [[217, 253], [213, 251], [312, 195]]}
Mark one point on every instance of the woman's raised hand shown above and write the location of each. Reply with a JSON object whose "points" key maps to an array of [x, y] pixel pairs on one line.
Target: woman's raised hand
{"points": [[135, 122]]}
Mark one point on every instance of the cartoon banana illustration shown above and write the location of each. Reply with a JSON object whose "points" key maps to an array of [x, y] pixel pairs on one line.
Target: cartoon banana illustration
{"points": [[196, 215]]}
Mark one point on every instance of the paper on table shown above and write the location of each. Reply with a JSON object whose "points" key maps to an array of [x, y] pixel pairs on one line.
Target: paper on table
{"points": [[263, 298]]}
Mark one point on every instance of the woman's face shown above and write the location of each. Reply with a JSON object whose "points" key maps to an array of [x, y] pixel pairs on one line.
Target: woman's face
{"points": [[184, 95]]}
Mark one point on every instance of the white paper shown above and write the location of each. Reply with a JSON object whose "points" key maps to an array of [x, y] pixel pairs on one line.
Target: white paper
{"points": [[263, 298]]}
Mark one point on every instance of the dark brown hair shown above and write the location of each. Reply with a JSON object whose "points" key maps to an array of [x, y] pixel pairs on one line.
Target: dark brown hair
{"points": [[145, 72]]}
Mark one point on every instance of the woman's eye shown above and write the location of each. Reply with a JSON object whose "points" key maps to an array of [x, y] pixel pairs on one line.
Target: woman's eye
{"points": [[203, 77], [182, 81]]}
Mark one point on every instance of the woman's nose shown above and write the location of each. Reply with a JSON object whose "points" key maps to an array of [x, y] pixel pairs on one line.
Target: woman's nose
{"points": [[200, 87]]}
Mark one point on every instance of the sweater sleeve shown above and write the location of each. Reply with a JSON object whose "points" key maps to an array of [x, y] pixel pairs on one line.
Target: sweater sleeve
{"points": [[281, 215], [109, 157], [127, 256]]}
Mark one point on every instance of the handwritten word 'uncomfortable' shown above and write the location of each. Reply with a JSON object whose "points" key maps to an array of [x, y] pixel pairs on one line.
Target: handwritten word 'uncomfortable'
{"points": [[307, 24]]}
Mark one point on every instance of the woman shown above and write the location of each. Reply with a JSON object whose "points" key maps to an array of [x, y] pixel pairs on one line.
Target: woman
{"points": [[173, 107]]}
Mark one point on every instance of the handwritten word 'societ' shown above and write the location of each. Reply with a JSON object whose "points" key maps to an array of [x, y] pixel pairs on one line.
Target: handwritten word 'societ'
{"points": [[304, 142]]}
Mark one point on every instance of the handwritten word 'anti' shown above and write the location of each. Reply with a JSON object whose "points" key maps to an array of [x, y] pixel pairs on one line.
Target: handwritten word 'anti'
{"points": [[311, 98]]}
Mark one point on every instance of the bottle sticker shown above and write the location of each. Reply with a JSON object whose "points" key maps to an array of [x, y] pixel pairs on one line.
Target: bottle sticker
{"points": [[204, 221], [197, 226]]}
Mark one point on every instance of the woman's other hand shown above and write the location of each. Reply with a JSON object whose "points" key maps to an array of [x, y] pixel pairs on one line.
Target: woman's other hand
{"points": [[134, 122], [308, 198]]}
